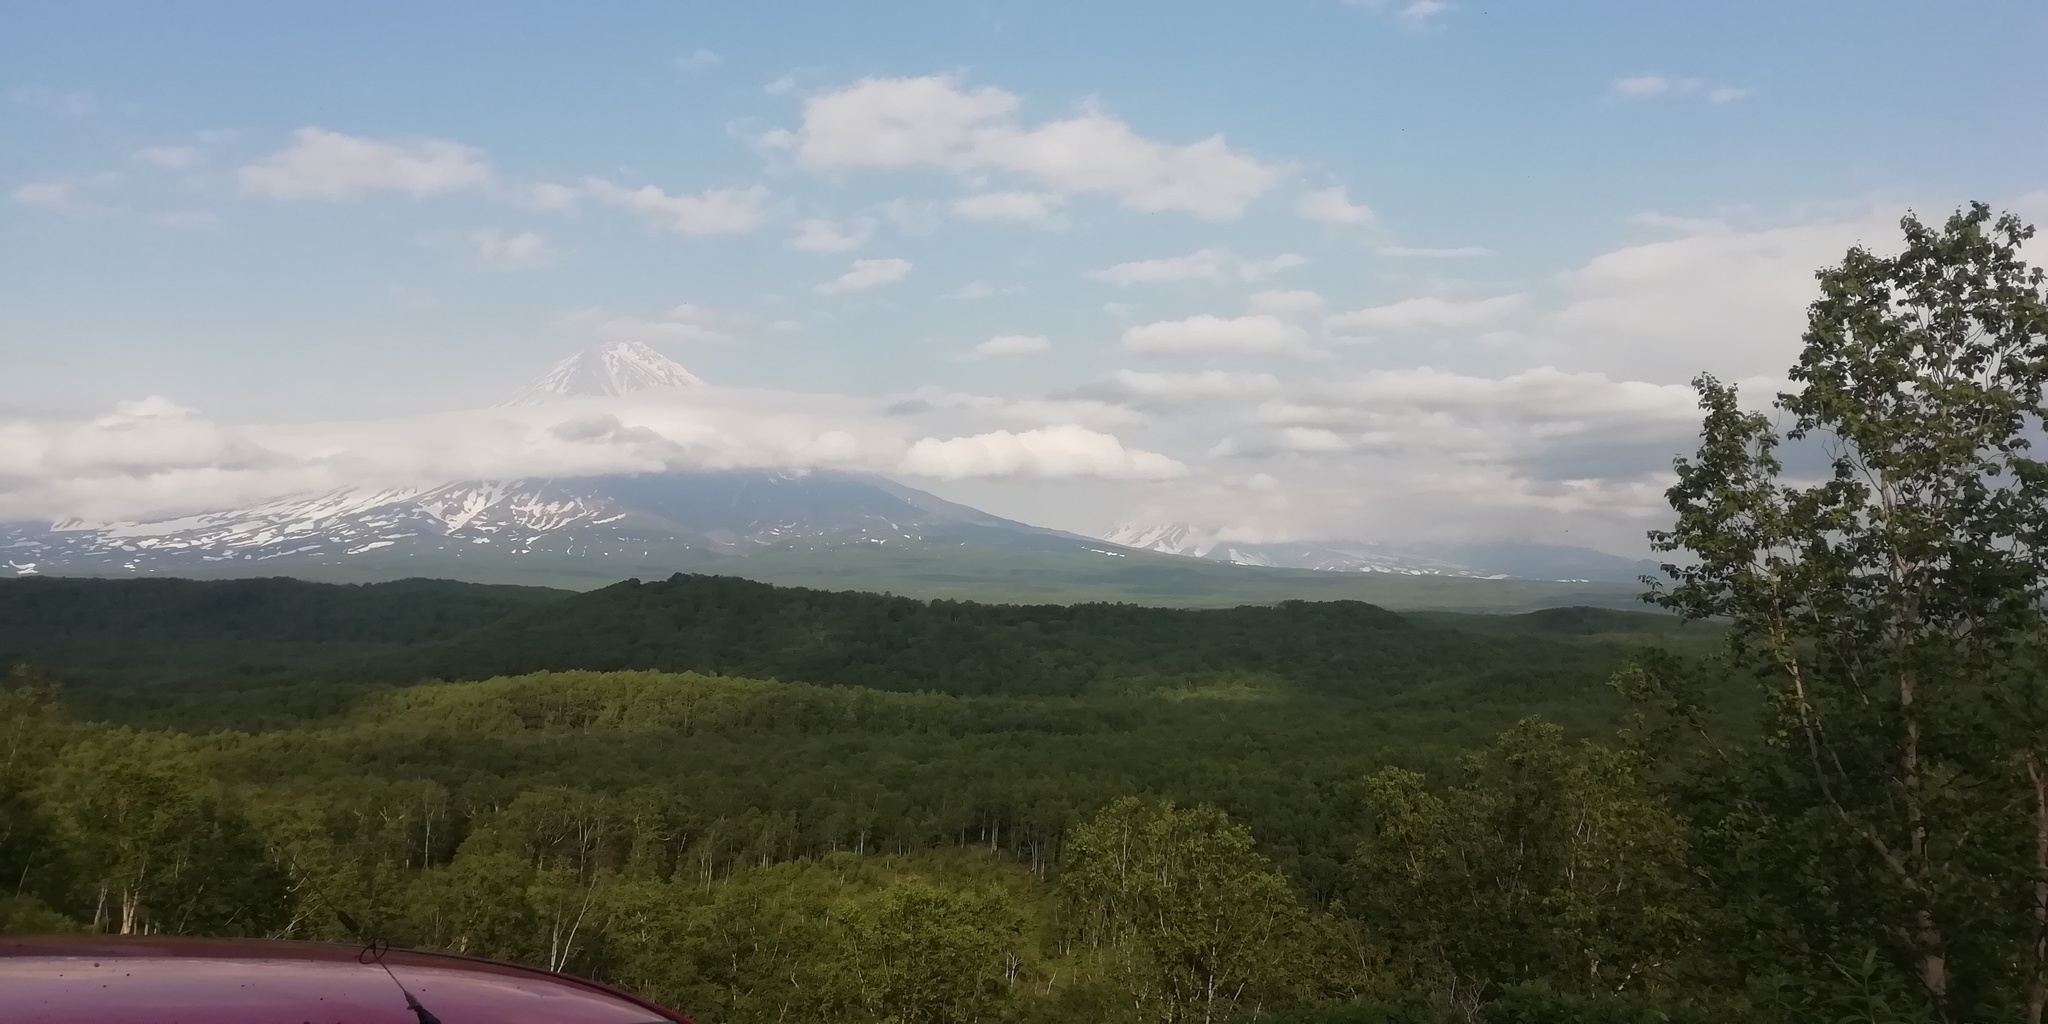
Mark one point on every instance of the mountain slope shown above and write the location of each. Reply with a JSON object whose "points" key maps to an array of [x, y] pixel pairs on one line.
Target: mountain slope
{"points": [[619, 525], [839, 532]]}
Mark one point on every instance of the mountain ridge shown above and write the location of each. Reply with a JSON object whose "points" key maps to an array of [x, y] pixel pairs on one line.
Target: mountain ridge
{"points": [[657, 521], [1476, 560]]}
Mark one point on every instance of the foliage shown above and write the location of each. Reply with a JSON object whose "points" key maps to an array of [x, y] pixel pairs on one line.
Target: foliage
{"points": [[1891, 607], [264, 653], [149, 842], [138, 649], [1547, 862], [1191, 923]]}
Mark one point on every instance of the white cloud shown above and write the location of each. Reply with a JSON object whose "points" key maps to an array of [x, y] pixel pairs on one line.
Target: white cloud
{"points": [[52, 194], [1431, 450], [1333, 206], [1286, 302], [142, 455], [1714, 298], [1314, 440], [1185, 388], [827, 237], [1201, 265], [329, 165], [57, 197], [1431, 313], [886, 123], [865, 274], [781, 86], [1035, 208], [718, 211], [1258, 333], [152, 436], [550, 196], [1044, 412], [1461, 252], [685, 323], [1414, 14], [898, 122], [499, 250], [1059, 451], [1542, 394], [699, 60], [153, 457], [174, 158], [1642, 87], [1003, 345], [1257, 270]]}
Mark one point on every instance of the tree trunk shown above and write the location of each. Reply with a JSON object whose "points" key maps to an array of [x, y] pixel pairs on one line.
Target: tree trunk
{"points": [[1926, 933], [2036, 983]]}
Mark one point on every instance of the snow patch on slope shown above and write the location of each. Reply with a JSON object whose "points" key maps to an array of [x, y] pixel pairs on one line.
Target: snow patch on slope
{"points": [[1327, 556]]}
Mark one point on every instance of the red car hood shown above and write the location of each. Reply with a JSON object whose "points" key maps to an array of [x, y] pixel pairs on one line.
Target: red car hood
{"points": [[105, 980]]}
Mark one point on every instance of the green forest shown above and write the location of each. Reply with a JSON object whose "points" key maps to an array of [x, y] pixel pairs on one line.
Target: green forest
{"points": [[1809, 782]]}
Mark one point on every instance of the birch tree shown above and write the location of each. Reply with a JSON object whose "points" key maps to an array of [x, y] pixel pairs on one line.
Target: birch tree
{"points": [[1890, 601]]}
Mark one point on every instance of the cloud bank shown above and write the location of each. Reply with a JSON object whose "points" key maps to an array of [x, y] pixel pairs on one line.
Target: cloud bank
{"points": [[936, 122], [326, 165]]}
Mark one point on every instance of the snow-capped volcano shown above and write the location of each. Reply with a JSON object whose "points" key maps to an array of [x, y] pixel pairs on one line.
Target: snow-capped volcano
{"points": [[613, 368], [606, 525], [613, 525]]}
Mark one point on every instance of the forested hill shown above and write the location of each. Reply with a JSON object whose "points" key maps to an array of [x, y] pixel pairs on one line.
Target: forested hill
{"points": [[129, 649], [737, 627], [113, 642], [39, 613]]}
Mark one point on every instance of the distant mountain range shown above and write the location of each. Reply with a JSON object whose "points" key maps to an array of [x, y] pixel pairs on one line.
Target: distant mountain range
{"points": [[1328, 556], [849, 531], [1478, 560]]}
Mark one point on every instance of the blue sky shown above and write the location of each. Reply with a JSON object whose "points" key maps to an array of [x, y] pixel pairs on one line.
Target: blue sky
{"points": [[271, 215]]}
